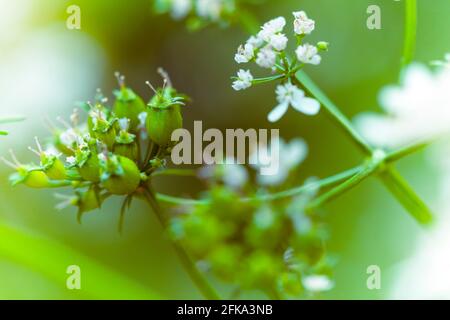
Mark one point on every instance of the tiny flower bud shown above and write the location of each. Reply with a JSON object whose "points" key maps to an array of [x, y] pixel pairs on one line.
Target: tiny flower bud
{"points": [[322, 46]]}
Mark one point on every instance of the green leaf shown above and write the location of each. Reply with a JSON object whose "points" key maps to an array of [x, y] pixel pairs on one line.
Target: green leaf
{"points": [[51, 259]]}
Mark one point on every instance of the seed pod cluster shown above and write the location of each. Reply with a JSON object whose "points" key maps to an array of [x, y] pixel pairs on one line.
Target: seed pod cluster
{"points": [[112, 153]]}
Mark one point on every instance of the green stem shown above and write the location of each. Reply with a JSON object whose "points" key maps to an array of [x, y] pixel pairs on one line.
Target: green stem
{"points": [[190, 267], [409, 45], [326, 182], [268, 79], [407, 197], [368, 170], [406, 151], [391, 179]]}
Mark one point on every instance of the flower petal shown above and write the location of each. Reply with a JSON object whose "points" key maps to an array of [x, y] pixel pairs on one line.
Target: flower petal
{"points": [[278, 112], [306, 105]]}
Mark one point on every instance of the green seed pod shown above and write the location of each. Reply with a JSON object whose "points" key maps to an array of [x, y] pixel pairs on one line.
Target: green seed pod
{"points": [[85, 200], [88, 200], [126, 142], [31, 178], [51, 165], [102, 125], [90, 170], [86, 161], [164, 115], [162, 122], [105, 131], [119, 175], [128, 104]]}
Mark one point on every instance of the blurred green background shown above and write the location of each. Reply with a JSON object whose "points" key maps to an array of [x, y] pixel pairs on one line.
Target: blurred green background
{"points": [[45, 68]]}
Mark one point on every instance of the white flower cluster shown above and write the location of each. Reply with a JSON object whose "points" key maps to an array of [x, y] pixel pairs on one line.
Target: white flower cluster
{"points": [[268, 50], [417, 110]]}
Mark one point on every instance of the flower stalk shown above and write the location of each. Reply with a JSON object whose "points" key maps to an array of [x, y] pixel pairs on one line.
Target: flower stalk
{"points": [[196, 276]]}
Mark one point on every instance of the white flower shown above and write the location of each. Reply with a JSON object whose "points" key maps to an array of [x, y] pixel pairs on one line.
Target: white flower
{"points": [[317, 283], [302, 24], [266, 57], [418, 109], [256, 42], [278, 41], [181, 8], [210, 9], [245, 53], [290, 155], [244, 80], [271, 27], [308, 53], [288, 94]]}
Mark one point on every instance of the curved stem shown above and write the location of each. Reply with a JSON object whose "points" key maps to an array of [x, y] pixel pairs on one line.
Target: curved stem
{"points": [[409, 45], [188, 264], [326, 182]]}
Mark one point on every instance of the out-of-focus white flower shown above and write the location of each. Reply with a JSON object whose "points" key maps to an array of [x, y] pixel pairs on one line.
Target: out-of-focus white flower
{"points": [[266, 57], [271, 27], [210, 9], [418, 109], [308, 53], [302, 24], [181, 8], [232, 174], [424, 274], [244, 80], [278, 41], [245, 53], [290, 155], [288, 94], [317, 283]]}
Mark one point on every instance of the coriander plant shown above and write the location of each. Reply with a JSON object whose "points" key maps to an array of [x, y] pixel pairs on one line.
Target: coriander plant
{"points": [[248, 230]]}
